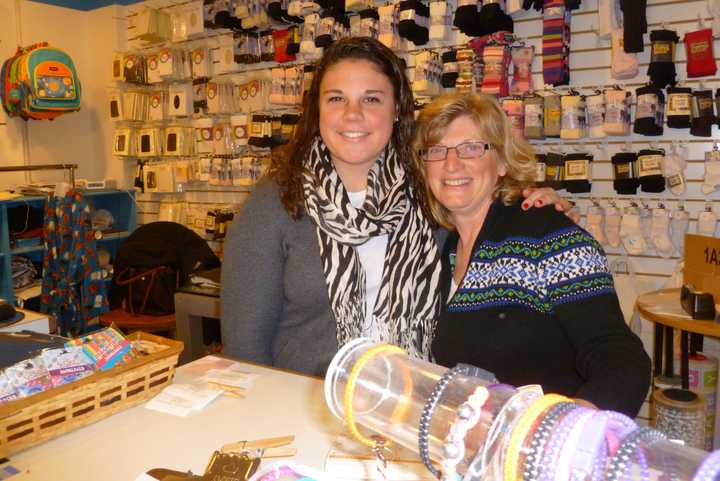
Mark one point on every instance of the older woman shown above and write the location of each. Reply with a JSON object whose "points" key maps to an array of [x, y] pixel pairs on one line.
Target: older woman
{"points": [[529, 293]]}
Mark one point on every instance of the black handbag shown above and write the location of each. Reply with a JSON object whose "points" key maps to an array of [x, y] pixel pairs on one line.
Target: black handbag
{"points": [[149, 291]]}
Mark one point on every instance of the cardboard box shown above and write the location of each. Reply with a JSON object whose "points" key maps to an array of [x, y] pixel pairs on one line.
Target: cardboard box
{"points": [[702, 264]]}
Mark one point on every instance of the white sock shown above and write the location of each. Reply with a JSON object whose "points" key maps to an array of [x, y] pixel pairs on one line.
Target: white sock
{"points": [[612, 226], [594, 225], [673, 167], [712, 172], [679, 224], [661, 232], [706, 223], [631, 234], [646, 226]]}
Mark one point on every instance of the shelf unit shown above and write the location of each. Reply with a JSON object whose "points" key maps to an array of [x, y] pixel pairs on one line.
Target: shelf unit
{"points": [[120, 203]]}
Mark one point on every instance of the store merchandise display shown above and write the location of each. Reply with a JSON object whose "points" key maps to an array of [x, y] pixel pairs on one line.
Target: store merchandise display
{"points": [[470, 427], [57, 366]]}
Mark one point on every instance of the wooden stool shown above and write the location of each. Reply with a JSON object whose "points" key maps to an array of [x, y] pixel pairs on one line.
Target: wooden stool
{"points": [[129, 322]]}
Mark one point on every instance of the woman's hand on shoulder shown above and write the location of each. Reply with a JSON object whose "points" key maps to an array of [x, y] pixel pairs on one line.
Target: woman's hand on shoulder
{"points": [[542, 196]]}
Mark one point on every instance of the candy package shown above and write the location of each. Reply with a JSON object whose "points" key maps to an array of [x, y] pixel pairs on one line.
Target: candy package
{"points": [[107, 348], [7, 390], [67, 364], [29, 377]]}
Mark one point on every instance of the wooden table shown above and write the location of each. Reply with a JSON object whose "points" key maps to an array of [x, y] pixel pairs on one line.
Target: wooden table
{"points": [[663, 308]]}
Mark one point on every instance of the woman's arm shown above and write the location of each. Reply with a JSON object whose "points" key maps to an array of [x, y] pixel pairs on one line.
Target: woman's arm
{"points": [[609, 356], [252, 273], [541, 196]]}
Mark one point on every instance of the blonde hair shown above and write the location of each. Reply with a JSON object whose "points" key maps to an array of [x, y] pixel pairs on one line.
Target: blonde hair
{"points": [[514, 152]]}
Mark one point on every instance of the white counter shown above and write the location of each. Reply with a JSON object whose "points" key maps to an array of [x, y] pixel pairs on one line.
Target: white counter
{"points": [[122, 446]]}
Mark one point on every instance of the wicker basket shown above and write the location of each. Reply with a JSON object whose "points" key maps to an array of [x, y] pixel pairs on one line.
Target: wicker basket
{"points": [[32, 420]]}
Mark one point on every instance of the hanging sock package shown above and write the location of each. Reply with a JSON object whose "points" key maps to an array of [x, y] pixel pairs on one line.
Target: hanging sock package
{"points": [[662, 67], [577, 173], [513, 108], [553, 115], [573, 116], [617, 112], [625, 179], [679, 107], [699, 52], [703, 113], [522, 58], [650, 110], [595, 107], [650, 173], [533, 107]]}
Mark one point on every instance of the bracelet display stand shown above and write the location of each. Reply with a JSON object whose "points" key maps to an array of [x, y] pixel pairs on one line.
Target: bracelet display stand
{"points": [[499, 431]]}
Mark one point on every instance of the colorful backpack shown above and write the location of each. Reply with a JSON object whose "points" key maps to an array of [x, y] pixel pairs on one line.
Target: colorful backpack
{"points": [[39, 82]]}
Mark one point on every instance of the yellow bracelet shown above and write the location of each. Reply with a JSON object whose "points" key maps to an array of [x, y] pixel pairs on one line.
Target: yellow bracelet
{"points": [[522, 429], [350, 389], [403, 404]]}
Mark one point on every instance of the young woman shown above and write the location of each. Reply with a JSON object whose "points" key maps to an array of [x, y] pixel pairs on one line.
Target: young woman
{"points": [[529, 294], [336, 243]]}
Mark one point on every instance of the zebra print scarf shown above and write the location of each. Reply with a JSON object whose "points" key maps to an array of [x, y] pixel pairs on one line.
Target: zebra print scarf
{"points": [[408, 300]]}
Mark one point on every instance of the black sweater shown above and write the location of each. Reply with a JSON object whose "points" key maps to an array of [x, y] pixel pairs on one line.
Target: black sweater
{"points": [[537, 305]]}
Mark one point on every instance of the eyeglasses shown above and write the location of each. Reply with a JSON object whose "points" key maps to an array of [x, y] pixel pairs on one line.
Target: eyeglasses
{"points": [[466, 150]]}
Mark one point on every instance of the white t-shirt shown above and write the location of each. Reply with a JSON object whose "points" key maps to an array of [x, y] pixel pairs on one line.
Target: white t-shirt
{"points": [[372, 259]]}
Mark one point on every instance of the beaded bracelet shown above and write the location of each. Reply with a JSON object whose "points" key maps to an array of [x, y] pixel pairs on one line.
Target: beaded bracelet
{"points": [[709, 469], [531, 467], [467, 416], [621, 461], [570, 447], [556, 441], [614, 426], [524, 396], [350, 391], [522, 428], [427, 412]]}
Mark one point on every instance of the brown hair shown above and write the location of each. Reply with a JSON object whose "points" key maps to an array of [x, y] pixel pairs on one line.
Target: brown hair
{"points": [[513, 151], [287, 164]]}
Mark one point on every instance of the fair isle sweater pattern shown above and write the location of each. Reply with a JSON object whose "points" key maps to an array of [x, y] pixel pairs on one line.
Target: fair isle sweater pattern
{"points": [[536, 273]]}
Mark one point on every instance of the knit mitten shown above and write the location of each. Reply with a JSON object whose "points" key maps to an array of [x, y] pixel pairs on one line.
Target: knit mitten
{"points": [[699, 52], [678, 107], [662, 67]]}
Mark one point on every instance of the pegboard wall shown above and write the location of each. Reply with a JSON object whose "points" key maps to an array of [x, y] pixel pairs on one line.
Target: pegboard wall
{"points": [[590, 69]]}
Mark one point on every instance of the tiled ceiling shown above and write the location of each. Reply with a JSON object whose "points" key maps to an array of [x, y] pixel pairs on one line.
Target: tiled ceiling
{"points": [[86, 4]]}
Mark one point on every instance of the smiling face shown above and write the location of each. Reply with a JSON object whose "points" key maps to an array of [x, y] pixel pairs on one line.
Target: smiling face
{"points": [[464, 186], [357, 111]]}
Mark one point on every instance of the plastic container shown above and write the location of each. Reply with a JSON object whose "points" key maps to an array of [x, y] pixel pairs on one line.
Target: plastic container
{"points": [[392, 389]]}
